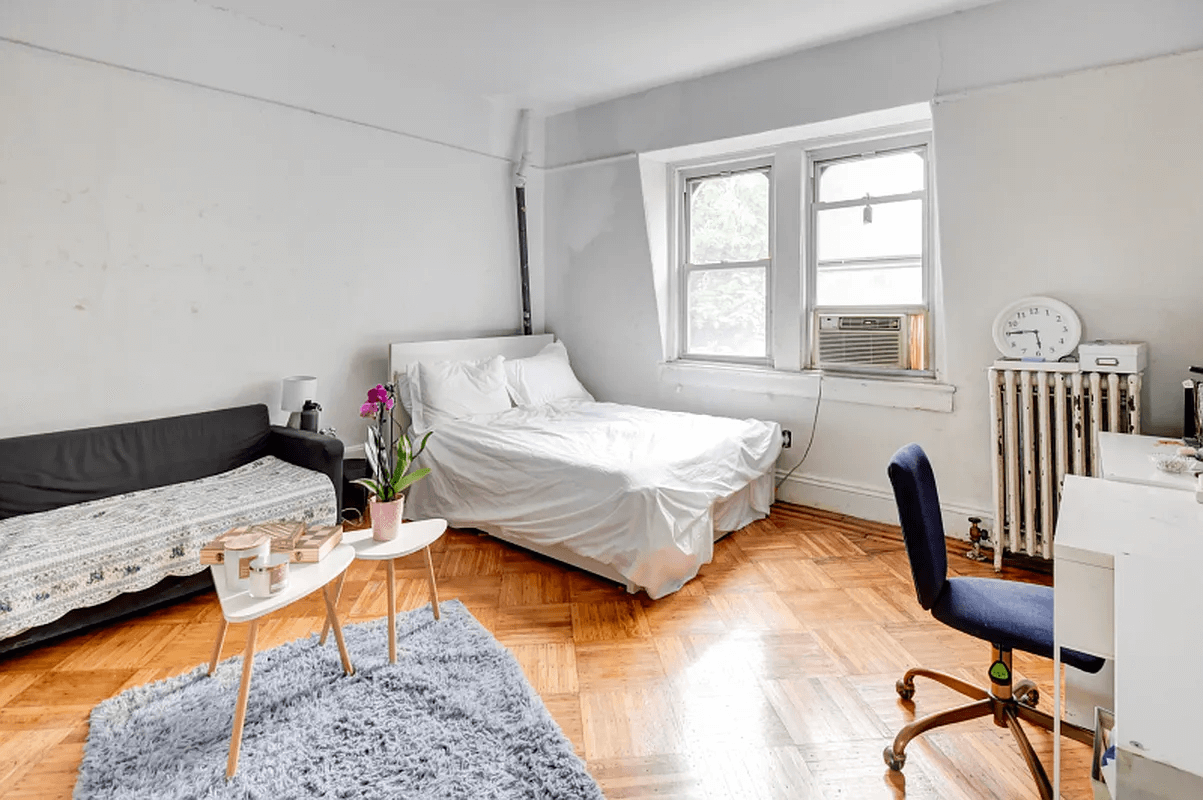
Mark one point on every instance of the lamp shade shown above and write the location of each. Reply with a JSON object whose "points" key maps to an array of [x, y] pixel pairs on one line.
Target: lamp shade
{"points": [[298, 389]]}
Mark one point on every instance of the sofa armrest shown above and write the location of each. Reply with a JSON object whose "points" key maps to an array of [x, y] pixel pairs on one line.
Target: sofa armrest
{"points": [[312, 450]]}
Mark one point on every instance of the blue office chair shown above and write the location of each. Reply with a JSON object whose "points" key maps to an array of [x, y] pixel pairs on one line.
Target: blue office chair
{"points": [[1007, 614]]}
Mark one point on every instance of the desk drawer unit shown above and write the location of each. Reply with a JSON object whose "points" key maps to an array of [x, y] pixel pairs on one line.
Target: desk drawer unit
{"points": [[1085, 606]]}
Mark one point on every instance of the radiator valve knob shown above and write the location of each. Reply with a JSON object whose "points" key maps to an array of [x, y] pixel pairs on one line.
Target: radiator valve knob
{"points": [[977, 536]]}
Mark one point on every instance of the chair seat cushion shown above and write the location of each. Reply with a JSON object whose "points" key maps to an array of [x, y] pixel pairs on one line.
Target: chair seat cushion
{"points": [[1009, 614]]}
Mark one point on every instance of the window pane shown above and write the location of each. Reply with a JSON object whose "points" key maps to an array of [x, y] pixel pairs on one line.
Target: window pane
{"points": [[726, 309], [896, 230], [729, 218], [898, 284], [895, 173]]}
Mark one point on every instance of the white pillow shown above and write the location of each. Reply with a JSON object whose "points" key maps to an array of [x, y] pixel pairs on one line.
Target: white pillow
{"points": [[544, 378], [401, 380], [442, 391]]}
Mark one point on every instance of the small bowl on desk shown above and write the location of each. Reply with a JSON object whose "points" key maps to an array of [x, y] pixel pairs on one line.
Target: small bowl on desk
{"points": [[1176, 463], [269, 574]]}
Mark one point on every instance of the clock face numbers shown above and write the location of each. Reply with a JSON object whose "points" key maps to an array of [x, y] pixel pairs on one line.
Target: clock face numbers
{"points": [[1038, 332]]}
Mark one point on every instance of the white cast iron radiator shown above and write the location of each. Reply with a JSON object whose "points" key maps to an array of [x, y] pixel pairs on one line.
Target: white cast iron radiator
{"points": [[1044, 423]]}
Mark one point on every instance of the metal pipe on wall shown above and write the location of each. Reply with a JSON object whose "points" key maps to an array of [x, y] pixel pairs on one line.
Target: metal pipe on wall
{"points": [[520, 198]]}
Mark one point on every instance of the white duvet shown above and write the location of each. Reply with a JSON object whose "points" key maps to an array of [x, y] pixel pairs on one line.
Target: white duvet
{"points": [[630, 487]]}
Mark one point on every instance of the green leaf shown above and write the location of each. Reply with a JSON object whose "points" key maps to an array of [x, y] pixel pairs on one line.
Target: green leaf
{"points": [[400, 463], [412, 477], [372, 486], [371, 450], [423, 447]]}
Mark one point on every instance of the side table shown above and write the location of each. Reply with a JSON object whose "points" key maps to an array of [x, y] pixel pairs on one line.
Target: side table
{"points": [[237, 605], [411, 537]]}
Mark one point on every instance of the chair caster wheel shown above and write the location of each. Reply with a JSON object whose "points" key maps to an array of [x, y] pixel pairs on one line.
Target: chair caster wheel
{"points": [[904, 691], [894, 762], [1032, 698]]}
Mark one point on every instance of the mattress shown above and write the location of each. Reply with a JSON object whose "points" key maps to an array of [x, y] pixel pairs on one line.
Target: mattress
{"points": [[632, 488]]}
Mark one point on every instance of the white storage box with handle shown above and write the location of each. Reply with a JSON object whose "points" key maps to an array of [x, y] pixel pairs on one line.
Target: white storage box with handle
{"points": [[1104, 356]]}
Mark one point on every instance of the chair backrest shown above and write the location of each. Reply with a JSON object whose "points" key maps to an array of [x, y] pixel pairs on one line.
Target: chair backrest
{"points": [[48, 470], [922, 526]]}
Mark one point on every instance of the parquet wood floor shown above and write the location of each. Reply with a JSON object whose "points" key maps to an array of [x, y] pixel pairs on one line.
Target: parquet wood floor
{"points": [[769, 676]]}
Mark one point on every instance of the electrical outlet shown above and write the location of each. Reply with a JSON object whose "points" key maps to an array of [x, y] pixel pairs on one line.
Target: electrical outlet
{"points": [[787, 438]]}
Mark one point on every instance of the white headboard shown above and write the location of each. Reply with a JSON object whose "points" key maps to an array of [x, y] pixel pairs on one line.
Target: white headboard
{"points": [[402, 354]]}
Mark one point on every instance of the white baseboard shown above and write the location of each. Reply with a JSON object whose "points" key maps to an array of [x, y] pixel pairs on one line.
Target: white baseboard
{"points": [[353, 451], [870, 502]]}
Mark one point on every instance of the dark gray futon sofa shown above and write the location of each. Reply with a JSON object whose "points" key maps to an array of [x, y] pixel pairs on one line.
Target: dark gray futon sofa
{"points": [[170, 471]]}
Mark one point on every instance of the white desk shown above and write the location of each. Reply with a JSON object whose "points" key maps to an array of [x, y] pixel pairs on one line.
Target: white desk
{"points": [[1102, 521], [1126, 457]]}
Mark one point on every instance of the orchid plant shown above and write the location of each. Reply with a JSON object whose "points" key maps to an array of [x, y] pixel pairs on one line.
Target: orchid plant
{"points": [[388, 450]]}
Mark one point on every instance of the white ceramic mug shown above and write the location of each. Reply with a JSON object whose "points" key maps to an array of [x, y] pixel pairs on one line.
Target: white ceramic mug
{"points": [[240, 551]]}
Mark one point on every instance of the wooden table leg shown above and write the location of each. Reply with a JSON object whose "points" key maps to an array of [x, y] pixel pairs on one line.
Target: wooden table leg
{"points": [[332, 617], [338, 593], [392, 611], [221, 639], [434, 590], [248, 660]]}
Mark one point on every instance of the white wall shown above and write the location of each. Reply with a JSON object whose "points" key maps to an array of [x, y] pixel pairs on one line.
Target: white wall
{"points": [[1084, 186], [985, 46], [167, 248], [208, 44]]}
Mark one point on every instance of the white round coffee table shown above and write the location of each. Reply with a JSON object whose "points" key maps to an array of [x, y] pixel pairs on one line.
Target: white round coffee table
{"points": [[411, 537]]}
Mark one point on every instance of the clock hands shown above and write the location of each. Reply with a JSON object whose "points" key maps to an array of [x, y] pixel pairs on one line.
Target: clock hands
{"points": [[1030, 330]]}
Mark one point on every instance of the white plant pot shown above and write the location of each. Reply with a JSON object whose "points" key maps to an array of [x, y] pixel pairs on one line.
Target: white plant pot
{"points": [[386, 518]]}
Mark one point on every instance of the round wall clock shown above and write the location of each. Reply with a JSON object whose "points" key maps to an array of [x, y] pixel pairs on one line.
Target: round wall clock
{"points": [[1037, 329]]}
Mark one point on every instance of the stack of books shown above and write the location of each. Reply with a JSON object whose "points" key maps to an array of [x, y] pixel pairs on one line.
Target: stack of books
{"points": [[304, 545]]}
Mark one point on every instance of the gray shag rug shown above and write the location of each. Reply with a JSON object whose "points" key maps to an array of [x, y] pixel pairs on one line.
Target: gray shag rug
{"points": [[454, 718]]}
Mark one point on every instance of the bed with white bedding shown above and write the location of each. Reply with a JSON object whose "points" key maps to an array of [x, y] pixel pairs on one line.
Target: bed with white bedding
{"points": [[633, 494]]}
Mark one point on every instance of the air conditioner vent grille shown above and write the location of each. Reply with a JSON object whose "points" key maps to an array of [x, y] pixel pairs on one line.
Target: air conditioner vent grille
{"points": [[877, 341]]}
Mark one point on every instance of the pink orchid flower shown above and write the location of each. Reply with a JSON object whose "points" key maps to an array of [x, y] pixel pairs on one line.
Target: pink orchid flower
{"points": [[368, 409], [377, 395]]}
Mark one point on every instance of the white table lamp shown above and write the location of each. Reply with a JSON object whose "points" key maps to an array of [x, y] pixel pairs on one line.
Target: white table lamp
{"points": [[297, 389]]}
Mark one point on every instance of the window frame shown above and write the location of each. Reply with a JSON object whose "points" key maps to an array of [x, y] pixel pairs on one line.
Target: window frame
{"points": [[683, 269], [852, 151], [792, 267]]}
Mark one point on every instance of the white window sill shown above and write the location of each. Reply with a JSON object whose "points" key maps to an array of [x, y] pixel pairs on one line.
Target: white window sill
{"points": [[920, 395]]}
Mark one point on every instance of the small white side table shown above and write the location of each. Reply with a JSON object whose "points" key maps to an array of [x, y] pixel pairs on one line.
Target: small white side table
{"points": [[411, 537], [237, 605]]}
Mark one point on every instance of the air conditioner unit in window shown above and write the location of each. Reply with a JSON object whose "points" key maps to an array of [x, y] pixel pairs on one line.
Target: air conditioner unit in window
{"points": [[859, 340]]}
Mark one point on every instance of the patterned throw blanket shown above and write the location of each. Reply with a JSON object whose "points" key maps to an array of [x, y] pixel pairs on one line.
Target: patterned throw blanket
{"points": [[86, 554]]}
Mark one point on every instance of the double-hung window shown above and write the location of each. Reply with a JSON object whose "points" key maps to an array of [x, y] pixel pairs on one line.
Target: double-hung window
{"points": [[726, 264], [868, 260], [852, 265]]}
